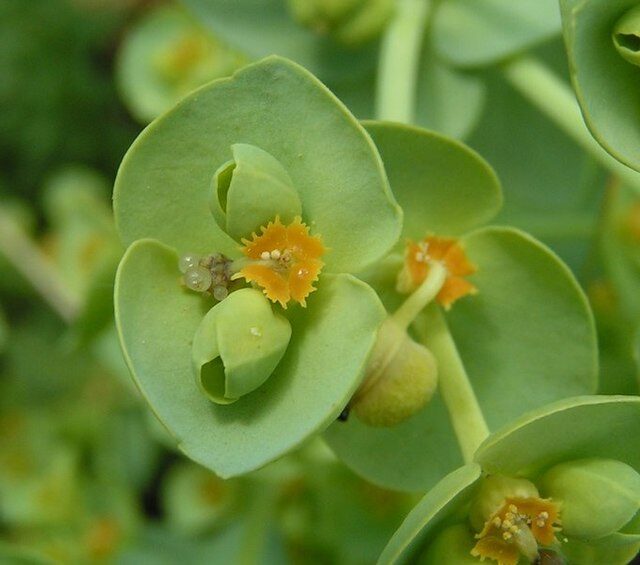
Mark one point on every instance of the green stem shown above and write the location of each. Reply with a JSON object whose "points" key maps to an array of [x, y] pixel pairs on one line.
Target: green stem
{"points": [[36, 268], [422, 296], [464, 411], [556, 100], [400, 61], [393, 332]]}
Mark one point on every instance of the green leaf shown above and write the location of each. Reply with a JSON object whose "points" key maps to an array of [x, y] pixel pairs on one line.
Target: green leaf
{"points": [[443, 186], [448, 496], [238, 345], [570, 184], [483, 32], [597, 426], [448, 101], [607, 86], [163, 187], [550, 353], [330, 342], [165, 56], [252, 192], [263, 27]]}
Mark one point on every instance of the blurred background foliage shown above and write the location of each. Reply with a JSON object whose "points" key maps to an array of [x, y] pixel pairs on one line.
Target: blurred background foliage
{"points": [[86, 473]]}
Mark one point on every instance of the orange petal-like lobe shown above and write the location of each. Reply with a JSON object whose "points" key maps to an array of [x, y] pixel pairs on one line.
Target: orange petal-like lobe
{"points": [[450, 253], [491, 547], [291, 275]]}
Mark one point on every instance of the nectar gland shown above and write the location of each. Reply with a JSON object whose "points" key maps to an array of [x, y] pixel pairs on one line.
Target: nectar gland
{"points": [[419, 260], [517, 529], [284, 261]]}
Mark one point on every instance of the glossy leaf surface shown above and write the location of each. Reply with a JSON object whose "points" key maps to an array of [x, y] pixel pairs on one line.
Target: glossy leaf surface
{"points": [[163, 186], [312, 384], [551, 353], [483, 32], [607, 86]]}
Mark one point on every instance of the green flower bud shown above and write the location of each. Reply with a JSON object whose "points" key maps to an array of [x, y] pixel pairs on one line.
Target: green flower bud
{"points": [[252, 190], [401, 378], [615, 549], [351, 22], [626, 36], [598, 497], [452, 546], [238, 345]]}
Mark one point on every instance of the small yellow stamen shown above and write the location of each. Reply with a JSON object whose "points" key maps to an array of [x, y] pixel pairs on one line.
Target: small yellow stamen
{"points": [[500, 538], [419, 256], [284, 261]]}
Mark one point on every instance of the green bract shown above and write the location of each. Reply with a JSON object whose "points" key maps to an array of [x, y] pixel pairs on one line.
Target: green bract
{"points": [[592, 438], [528, 328], [483, 32], [601, 38], [165, 57], [269, 144]]}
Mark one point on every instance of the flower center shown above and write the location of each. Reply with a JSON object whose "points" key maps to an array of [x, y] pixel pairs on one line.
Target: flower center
{"points": [[284, 261], [419, 258], [516, 529]]}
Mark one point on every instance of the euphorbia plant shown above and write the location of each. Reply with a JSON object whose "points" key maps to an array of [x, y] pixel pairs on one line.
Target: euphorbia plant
{"points": [[263, 177], [520, 321], [554, 485]]}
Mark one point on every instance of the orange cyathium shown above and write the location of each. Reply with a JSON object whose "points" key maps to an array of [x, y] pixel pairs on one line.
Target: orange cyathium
{"points": [[418, 259], [284, 261], [501, 536]]}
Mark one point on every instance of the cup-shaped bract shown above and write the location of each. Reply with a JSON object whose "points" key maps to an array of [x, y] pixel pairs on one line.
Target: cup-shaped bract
{"points": [[165, 56], [251, 178], [506, 336], [238, 345], [526, 461], [599, 35]]}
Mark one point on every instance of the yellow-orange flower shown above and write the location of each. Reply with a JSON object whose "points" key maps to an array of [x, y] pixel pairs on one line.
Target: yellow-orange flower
{"points": [[499, 539], [284, 261], [419, 256]]}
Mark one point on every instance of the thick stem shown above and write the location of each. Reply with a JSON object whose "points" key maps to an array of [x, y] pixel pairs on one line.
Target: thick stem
{"points": [[35, 267], [464, 411], [400, 61], [556, 100]]}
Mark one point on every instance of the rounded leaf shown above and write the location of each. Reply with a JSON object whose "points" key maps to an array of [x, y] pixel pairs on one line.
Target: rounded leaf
{"points": [[483, 32], [583, 427], [606, 84], [163, 187], [319, 373], [442, 185], [165, 56], [238, 344], [550, 352]]}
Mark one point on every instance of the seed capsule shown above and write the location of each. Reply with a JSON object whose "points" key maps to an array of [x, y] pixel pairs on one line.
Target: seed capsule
{"points": [[188, 261], [198, 279], [220, 292]]}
